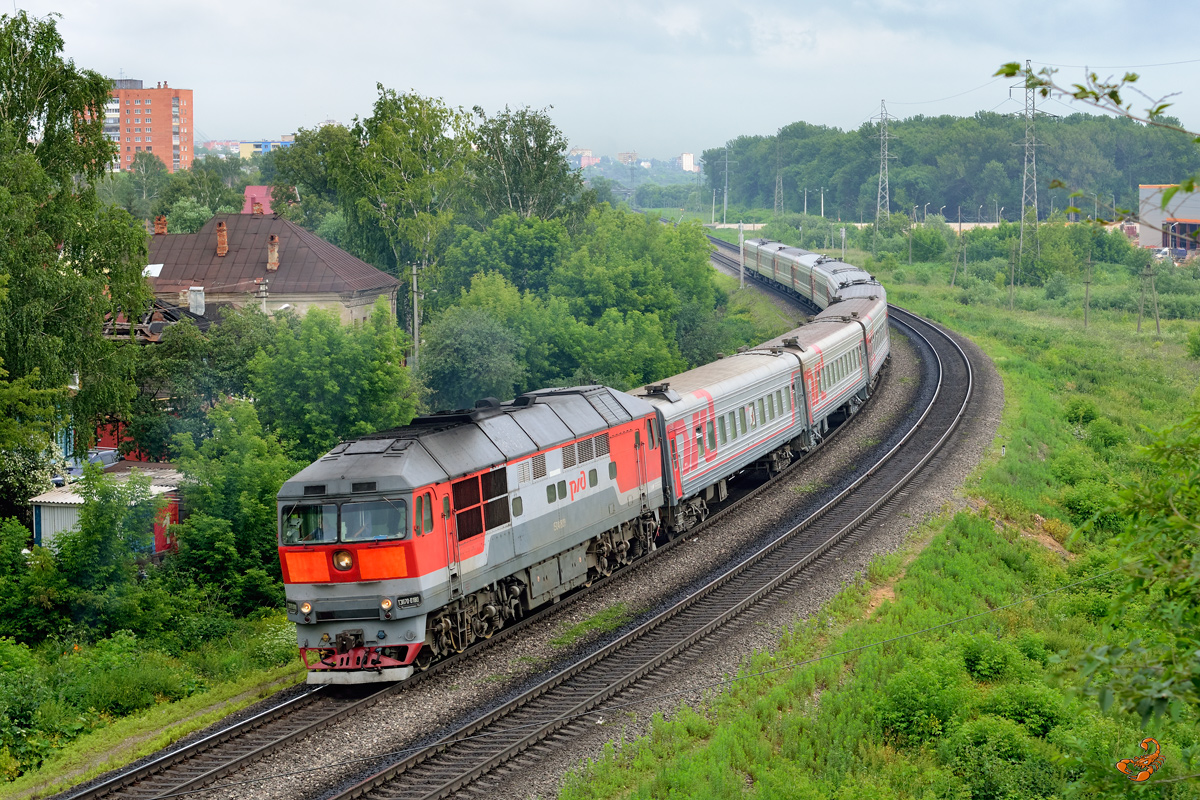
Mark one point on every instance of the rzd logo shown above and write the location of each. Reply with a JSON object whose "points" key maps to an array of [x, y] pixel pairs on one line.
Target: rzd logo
{"points": [[1139, 769], [578, 484]]}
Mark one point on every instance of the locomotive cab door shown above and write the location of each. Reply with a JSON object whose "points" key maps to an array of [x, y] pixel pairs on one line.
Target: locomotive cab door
{"points": [[452, 554]]}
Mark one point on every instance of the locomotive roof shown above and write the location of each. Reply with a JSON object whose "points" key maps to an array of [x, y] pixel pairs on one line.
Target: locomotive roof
{"points": [[448, 445]]}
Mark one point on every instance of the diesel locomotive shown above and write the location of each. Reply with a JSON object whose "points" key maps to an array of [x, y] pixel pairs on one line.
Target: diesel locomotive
{"points": [[404, 546]]}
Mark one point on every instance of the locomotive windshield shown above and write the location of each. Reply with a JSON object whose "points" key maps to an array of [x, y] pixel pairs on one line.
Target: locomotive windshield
{"points": [[379, 519], [360, 522], [309, 524]]}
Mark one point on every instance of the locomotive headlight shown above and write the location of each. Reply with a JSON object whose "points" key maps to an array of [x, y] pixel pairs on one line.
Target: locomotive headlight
{"points": [[343, 560], [386, 604], [306, 607]]}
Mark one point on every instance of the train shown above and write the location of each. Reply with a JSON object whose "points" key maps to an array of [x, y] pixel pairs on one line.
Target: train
{"points": [[408, 545]]}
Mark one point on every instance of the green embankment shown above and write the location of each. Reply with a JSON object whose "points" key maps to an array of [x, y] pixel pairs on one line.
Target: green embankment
{"points": [[988, 708]]}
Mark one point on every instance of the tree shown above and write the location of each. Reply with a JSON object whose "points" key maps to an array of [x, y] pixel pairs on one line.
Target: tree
{"points": [[320, 381], [469, 355], [231, 479], [147, 176], [69, 259], [525, 251], [406, 174], [187, 215], [521, 165]]}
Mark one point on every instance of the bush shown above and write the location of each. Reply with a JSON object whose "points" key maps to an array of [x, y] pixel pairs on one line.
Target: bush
{"points": [[1090, 500], [986, 657], [1074, 466], [1080, 411], [920, 700], [998, 760], [1193, 344], [1035, 706], [1057, 286], [1103, 434]]}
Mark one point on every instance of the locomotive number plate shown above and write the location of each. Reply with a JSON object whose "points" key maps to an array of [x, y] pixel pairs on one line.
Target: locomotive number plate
{"points": [[410, 601]]}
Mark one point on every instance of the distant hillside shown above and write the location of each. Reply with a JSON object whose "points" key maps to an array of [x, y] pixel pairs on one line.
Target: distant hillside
{"points": [[952, 161]]}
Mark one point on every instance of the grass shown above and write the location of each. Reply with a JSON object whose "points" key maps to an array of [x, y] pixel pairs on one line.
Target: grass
{"points": [[130, 738], [607, 620], [768, 318], [988, 708]]}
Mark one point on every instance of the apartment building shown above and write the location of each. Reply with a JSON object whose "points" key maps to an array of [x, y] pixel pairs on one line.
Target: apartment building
{"points": [[155, 120]]}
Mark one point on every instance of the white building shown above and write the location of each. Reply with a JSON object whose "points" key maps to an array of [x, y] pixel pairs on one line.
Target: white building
{"points": [[1173, 226], [688, 163]]}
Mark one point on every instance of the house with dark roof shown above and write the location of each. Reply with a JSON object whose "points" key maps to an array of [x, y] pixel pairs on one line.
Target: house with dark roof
{"points": [[244, 259]]}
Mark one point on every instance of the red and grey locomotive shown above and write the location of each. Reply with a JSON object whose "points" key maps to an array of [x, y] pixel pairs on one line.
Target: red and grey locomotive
{"points": [[401, 547]]}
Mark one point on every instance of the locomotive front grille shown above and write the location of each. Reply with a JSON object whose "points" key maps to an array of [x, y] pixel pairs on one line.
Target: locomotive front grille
{"points": [[348, 613]]}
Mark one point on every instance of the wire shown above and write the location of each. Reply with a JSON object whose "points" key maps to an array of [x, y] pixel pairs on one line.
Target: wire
{"points": [[943, 99], [656, 697], [1122, 66]]}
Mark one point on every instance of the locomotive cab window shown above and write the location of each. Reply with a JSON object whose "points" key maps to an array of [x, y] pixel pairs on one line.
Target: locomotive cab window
{"points": [[309, 524], [427, 522], [652, 433], [374, 520]]}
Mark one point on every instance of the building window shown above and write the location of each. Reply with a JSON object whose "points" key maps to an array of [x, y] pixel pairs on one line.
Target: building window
{"points": [[147, 139], [128, 158], [147, 102], [126, 102], [137, 102], [137, 148], [137, 119], [137, 130], [137, 139], [149, 149]]}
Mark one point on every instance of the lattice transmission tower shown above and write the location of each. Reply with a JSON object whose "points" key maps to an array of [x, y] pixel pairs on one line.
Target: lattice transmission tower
{"points": [[1029, 179], [883, 201]]}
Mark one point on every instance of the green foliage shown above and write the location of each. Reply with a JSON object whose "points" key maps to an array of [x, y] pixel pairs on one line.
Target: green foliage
{"points": [[320, 381], [1193, 344], [1104, 434], [232, 479], [1160, 544], [470, 355], [188, 215], [52, 153], [520, 166], [1034, 705], [986, 657], [1057, 286], [919, 702], [1080, 411], [998, 760]]}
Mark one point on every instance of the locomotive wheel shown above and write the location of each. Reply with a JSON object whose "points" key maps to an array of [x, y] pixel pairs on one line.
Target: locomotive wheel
{"points": [[424, 660]]}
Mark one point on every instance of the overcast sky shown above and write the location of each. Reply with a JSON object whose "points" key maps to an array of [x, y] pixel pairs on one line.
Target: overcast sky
{"points": [[658, 78]]}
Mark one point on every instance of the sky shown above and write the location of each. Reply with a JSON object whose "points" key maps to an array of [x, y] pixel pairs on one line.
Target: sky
{"points": [[659, 78]]}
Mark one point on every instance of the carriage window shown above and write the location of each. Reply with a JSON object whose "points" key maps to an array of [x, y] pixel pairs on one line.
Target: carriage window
{"points": [[612, 470], [712, 436], [518, 506], [761, 415], [779, 400], [593, 478], [550, 494], [308, 524], [374, 520], [721, 429], [700, 440], [770, 406], [562, 489], [733, 429]]}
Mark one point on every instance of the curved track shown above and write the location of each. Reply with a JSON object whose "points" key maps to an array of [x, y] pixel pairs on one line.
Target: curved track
{"points": [[645, 655], [452, 762]]}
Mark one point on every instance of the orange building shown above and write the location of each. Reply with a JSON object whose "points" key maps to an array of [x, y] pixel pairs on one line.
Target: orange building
{"points": [[155, 120]]}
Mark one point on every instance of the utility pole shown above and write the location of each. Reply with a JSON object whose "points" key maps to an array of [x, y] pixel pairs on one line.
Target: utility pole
{"points": [[778, 179], [725, 202], [843, 243], [1154, 294], [954, 274], [416, 326], [1012, 273], [883, 197], [822, 202], [806, 201], [1142, 298], [910, 230], [742, 254], [1087, 290], [714, 210]]}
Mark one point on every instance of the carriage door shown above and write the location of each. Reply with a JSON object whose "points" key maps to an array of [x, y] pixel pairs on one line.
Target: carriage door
{"points": [[452, 554]]}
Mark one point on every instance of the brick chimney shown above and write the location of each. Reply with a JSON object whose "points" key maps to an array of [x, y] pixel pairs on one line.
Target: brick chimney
{"points": [[256, 208], [272, 253], [160, 225], [222, 239]]}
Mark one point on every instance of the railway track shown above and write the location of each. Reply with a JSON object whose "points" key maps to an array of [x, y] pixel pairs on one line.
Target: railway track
{"points": [[452, 762], [645, 655], [230, 749]]}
